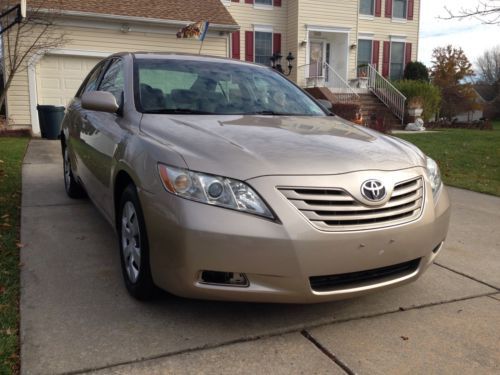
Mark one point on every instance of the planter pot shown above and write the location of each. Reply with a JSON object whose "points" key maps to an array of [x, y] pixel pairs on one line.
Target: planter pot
{"points": [[363, 82], [415, 112]]}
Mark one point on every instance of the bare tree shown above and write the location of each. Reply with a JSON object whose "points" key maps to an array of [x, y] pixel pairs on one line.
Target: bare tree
{"points": [[33, 35], [486, 11], [489, 66]]}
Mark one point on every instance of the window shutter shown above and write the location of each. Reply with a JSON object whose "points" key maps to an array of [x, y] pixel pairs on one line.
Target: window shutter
{"points": [[235, 45], [276, 43], [248, 1], [375, 53], [410, 9], [277, 3], [386, 59], [235, 1], [378, 8], [249, 46], [407, 53], [388, 8]]}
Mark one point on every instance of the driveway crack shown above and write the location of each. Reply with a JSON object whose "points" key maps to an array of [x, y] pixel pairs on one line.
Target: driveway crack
{"points": [[467, 276]]}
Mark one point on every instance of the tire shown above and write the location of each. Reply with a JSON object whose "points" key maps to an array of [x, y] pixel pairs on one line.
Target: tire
{"points": [[71, 185], [134, 246]]}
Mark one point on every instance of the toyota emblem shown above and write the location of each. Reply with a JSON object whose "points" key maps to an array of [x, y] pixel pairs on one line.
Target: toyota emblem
{"points": [[373, 190]]}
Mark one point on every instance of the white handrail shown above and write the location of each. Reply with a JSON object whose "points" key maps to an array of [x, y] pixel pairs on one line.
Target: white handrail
{"points": [[386, 92], [339, 86]]}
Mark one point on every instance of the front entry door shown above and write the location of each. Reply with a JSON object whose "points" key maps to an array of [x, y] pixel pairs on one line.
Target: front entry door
{"points": [[316, 59]]}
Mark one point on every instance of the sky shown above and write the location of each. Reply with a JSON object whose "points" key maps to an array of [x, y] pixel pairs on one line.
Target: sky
{"points": [[470, 34]]}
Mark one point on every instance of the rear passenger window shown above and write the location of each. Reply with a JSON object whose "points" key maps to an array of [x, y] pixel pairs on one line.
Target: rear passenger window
{"points": [[113, 80]]}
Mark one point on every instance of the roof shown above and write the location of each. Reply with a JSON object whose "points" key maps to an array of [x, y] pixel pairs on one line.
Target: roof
{"points": [[176, 10], [485, 91]]}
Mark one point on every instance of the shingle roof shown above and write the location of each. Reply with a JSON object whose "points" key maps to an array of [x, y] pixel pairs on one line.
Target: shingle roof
{"points": [[179, 10]]}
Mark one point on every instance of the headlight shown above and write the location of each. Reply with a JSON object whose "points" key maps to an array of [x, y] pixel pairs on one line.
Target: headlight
{"points": [[215, 190], [434, 175]]}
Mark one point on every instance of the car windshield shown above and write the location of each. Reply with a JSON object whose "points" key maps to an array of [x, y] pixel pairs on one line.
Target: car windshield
{"points": [[201, 87]]}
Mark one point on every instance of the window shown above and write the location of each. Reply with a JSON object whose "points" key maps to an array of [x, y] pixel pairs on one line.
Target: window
{"points": [[113, 81], [366, 7], [399, 9], [364, 52], [90, 84], [264, 2], [201, 87], [263, 47], [397, 60]]}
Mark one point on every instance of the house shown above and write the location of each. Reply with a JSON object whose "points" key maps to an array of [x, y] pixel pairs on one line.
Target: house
{"points": [[329, 40]]}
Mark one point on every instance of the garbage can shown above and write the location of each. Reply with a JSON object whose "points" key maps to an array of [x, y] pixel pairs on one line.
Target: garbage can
{"points": [[50, 117]]}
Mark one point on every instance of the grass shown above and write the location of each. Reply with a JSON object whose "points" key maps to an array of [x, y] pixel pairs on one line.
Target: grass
{"points": [[11, 155], [468, 159]]}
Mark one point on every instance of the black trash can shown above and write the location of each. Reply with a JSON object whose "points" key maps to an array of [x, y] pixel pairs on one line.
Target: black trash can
{"points": [[50, 117]]}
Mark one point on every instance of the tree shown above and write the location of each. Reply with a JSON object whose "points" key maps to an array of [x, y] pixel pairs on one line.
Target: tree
{"points": [[489, 66], [416, 71], [34, 35], [450, 68], [486, 11]]}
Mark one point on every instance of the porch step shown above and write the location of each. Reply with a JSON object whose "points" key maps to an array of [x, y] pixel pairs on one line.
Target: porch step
{"points": [[371, 105]]}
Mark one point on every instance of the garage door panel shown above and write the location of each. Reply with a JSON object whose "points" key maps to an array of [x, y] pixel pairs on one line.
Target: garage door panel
{"points": [[59, 77]]}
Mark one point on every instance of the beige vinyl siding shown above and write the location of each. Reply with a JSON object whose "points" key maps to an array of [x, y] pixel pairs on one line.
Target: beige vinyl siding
{"points": [[293, 41], [110, 40], [246, 15], [383, 28]]}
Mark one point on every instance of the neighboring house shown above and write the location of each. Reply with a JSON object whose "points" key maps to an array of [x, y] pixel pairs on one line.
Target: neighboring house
{"points": [[328, 38], [476, 114]]}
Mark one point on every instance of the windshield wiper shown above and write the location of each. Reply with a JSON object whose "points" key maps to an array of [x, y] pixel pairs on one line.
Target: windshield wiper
{"points": [[179, 111], [270, 113]]}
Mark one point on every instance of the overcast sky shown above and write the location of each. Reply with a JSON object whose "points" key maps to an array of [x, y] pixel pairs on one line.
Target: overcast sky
{"points": [[470, 34]]}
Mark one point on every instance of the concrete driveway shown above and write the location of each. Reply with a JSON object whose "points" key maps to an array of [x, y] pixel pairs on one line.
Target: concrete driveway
{"points": [[76, 316]]}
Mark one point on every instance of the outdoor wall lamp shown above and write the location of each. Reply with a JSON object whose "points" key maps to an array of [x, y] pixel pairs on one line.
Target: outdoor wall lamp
{"points": [[276, 62]]}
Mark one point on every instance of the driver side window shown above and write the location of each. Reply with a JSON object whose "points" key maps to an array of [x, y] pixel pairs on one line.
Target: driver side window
{"points": [[113, 80]]}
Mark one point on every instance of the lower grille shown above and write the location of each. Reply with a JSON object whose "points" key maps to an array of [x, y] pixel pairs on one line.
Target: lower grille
{"points": [[341, 281]]}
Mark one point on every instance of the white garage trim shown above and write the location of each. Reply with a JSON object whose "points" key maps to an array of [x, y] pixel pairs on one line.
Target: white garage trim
{"points": [[35, 125]]}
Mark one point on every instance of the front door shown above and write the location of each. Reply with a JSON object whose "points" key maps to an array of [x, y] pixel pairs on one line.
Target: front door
{"points": [[316, 59]]}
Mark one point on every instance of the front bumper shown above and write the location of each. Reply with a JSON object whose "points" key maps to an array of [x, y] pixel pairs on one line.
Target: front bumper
{"points": [[278, 258]]}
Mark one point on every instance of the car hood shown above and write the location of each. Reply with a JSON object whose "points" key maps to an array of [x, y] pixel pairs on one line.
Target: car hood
{"points": [[244, 147]]}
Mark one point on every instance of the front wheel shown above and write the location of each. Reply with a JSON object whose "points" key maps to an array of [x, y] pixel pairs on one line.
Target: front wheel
{"points": [[71, 185], [134, 246]]}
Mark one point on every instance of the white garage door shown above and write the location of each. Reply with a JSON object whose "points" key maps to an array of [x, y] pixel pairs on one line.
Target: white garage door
{"points": [[59, 77]]}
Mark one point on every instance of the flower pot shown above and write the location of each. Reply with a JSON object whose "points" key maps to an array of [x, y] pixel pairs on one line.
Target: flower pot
{"points": [[415, 112], [363, 82]]}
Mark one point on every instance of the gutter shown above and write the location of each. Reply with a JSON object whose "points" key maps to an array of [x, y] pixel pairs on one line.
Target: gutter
{"points": [[144, 20]]}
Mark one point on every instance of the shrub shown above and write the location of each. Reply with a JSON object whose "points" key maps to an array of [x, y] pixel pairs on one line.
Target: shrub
{"points": [[430, 94], [416, 71]]}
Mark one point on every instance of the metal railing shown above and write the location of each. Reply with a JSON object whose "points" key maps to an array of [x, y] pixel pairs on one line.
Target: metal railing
{"points": [[384, 90], [323, 75], [343, 92]]}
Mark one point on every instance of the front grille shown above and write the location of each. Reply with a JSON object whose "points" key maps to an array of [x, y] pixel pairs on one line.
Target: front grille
{"points": [[336, 210], [353, 279]]}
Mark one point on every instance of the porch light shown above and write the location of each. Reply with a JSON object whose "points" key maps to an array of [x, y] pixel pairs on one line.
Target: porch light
{"points": [[276, 62]]}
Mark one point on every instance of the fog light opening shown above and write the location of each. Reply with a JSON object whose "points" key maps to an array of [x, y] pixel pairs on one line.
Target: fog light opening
{"points": [[224, 278]]}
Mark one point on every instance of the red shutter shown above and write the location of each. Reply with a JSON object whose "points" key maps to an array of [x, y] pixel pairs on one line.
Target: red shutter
{"points": [[276, 43], [249, 46], [386, 59], [388, 8], [375, 53], [407, 53], [248, 1], [410, 9], [277, 3], [235, 45], [378, 8]]}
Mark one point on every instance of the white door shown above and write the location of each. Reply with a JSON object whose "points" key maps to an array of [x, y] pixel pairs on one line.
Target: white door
{"points": [[316, 59], [59, 77]]}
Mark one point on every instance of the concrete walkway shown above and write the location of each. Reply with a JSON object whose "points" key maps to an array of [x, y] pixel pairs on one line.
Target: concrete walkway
{"points": [[76, 316]]}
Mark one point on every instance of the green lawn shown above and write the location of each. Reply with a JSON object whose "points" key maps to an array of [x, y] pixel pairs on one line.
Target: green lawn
{"points": [[468, 159], [11, 156]]}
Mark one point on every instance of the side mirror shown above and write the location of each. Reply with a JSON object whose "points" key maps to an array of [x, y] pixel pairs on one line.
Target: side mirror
{"points": [[102, 101], [325, 103]]}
